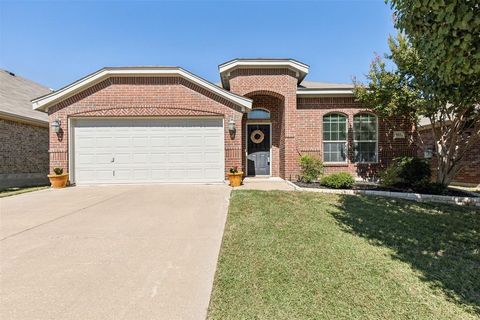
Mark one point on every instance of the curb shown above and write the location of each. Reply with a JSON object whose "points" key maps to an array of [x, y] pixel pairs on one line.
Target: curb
{"points": [[418, 197]]}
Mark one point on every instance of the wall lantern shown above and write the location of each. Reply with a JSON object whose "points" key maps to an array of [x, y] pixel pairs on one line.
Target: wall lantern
{"points": [[428, 153], [231, 125], [56, 125]]}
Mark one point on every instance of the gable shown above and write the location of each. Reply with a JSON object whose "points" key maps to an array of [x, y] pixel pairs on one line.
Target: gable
{"points": [[82, 85]]}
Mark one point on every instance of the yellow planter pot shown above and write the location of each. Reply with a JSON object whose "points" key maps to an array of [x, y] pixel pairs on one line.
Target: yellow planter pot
{"points": [[235, 179], [58, 180]]}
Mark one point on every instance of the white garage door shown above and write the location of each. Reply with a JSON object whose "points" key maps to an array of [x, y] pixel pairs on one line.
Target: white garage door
{"points": [[148, 150]]}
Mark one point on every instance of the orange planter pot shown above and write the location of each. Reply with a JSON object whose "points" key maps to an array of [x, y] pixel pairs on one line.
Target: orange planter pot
{"points": [[235, 179], [58, 180]]}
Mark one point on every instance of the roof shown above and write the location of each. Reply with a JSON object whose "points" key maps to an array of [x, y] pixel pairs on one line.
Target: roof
{"points": [[15, 95], [300, 68], [324, 85], [318, 89], [44, 102]]}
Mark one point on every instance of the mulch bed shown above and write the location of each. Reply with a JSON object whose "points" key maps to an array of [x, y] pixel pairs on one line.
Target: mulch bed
{"points": [[368, 186]]}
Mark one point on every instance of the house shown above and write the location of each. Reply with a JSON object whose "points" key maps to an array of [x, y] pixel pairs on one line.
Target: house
{"points": [[469, 174], [165, 124], [23, 133]]}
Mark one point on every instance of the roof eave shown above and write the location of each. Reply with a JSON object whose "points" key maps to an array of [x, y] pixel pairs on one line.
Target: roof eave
{"points": [[225, 68], [324, 92], [23, 119], [44, 102]]}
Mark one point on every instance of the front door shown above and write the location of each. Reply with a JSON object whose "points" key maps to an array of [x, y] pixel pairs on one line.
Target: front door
{"points": [[258, 149]]}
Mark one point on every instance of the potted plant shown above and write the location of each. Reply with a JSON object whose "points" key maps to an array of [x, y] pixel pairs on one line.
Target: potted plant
{"points": [[58, 179], [235, 177]]}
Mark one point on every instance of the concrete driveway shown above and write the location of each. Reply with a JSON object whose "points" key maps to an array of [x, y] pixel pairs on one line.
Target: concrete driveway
{"points": [[111, 252]]}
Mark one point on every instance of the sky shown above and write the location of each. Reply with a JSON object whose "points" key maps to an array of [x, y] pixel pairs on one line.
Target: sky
{"points": [[57, 42]]}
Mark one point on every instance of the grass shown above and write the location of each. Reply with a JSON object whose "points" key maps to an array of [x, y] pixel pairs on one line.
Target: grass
{"points": [[19, 190], [294, 255]]}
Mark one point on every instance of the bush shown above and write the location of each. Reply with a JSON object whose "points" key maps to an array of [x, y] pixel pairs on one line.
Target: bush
{"points": [[311, 168], [341, 180], [405, 172]]}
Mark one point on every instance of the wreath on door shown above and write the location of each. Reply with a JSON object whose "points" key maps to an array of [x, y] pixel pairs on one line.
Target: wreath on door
{"points": [[257, 136]]}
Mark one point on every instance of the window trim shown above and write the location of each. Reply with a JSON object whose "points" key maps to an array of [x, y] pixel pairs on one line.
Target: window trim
{"points": [[376, 141], [263, 119], [327, 163]]}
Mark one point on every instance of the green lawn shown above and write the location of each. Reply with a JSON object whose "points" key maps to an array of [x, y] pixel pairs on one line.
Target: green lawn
{"points": [[14, 191], [295, 255]]}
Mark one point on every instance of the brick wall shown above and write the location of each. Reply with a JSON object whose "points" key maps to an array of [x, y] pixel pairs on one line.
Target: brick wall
{"points": [[23, 153], [142, 97], [275, 106], [310, 112], [297, 123], [469, 175], [282, 85]]}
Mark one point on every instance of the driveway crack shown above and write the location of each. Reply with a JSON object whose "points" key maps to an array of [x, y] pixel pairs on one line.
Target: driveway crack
{"points": [[62, 216]]}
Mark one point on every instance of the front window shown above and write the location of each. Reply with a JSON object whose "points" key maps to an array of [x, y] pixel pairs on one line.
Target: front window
{"points": [[258, 114], [334, 138], [365, 137]]}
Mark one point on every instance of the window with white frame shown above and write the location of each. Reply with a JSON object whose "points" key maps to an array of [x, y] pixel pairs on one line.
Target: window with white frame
{"points": [[365, 138], [334, 138]]}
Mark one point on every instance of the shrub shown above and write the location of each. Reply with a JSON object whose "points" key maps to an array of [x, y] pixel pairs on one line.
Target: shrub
{"points": [[58, 171], [340, 180], [311, 168], [405, 172]]}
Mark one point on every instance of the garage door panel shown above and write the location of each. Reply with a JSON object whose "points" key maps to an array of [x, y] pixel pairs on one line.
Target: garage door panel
{"points": [[123, 158], [212, 157], [148, 150], [140, 141], [212, 140], [104, 158], [141, 158], [158, 141], [121, 141], [157, 158], [194, 157]]}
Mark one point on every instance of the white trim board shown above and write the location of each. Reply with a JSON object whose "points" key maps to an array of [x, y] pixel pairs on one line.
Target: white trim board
{"points": [[44, 102], [325, 93], [226, 68]]}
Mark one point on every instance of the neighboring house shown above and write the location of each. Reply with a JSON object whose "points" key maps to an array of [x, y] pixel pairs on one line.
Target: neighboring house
{"points": [[23, 133], [165, 124], [469, 175]]}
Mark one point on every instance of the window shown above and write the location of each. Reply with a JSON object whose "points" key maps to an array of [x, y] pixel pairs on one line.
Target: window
{"points": [[258, 114], [334, 138], [365, 137]]}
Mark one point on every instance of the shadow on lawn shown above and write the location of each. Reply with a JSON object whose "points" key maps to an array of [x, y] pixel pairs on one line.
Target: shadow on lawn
{"points": [[442, 242]]}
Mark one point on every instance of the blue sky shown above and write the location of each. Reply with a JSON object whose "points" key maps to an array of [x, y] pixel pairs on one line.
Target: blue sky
{"points": [[55, 43]]}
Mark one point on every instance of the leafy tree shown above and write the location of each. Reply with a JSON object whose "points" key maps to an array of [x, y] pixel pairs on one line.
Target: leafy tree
{"points": [[448, 34], [412, 89]]}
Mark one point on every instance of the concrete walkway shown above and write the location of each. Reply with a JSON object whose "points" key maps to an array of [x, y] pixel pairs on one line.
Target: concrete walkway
{"points": [[113, 252], [259, 183]]}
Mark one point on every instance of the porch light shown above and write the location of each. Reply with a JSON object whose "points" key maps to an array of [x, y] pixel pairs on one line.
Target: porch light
{"points": [[56, 125], [428, 153], [231, 125]]}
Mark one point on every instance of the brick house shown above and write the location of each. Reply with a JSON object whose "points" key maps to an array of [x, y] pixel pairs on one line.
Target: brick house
{"points": [[165, 124], [23, 133]]}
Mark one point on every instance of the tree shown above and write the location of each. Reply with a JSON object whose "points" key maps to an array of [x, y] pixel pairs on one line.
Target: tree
{"points": [[447, 34], [412, 90]]}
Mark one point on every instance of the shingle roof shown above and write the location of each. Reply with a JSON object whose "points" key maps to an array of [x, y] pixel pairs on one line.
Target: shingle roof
{"points": [[15, 95], [324, 85]]}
